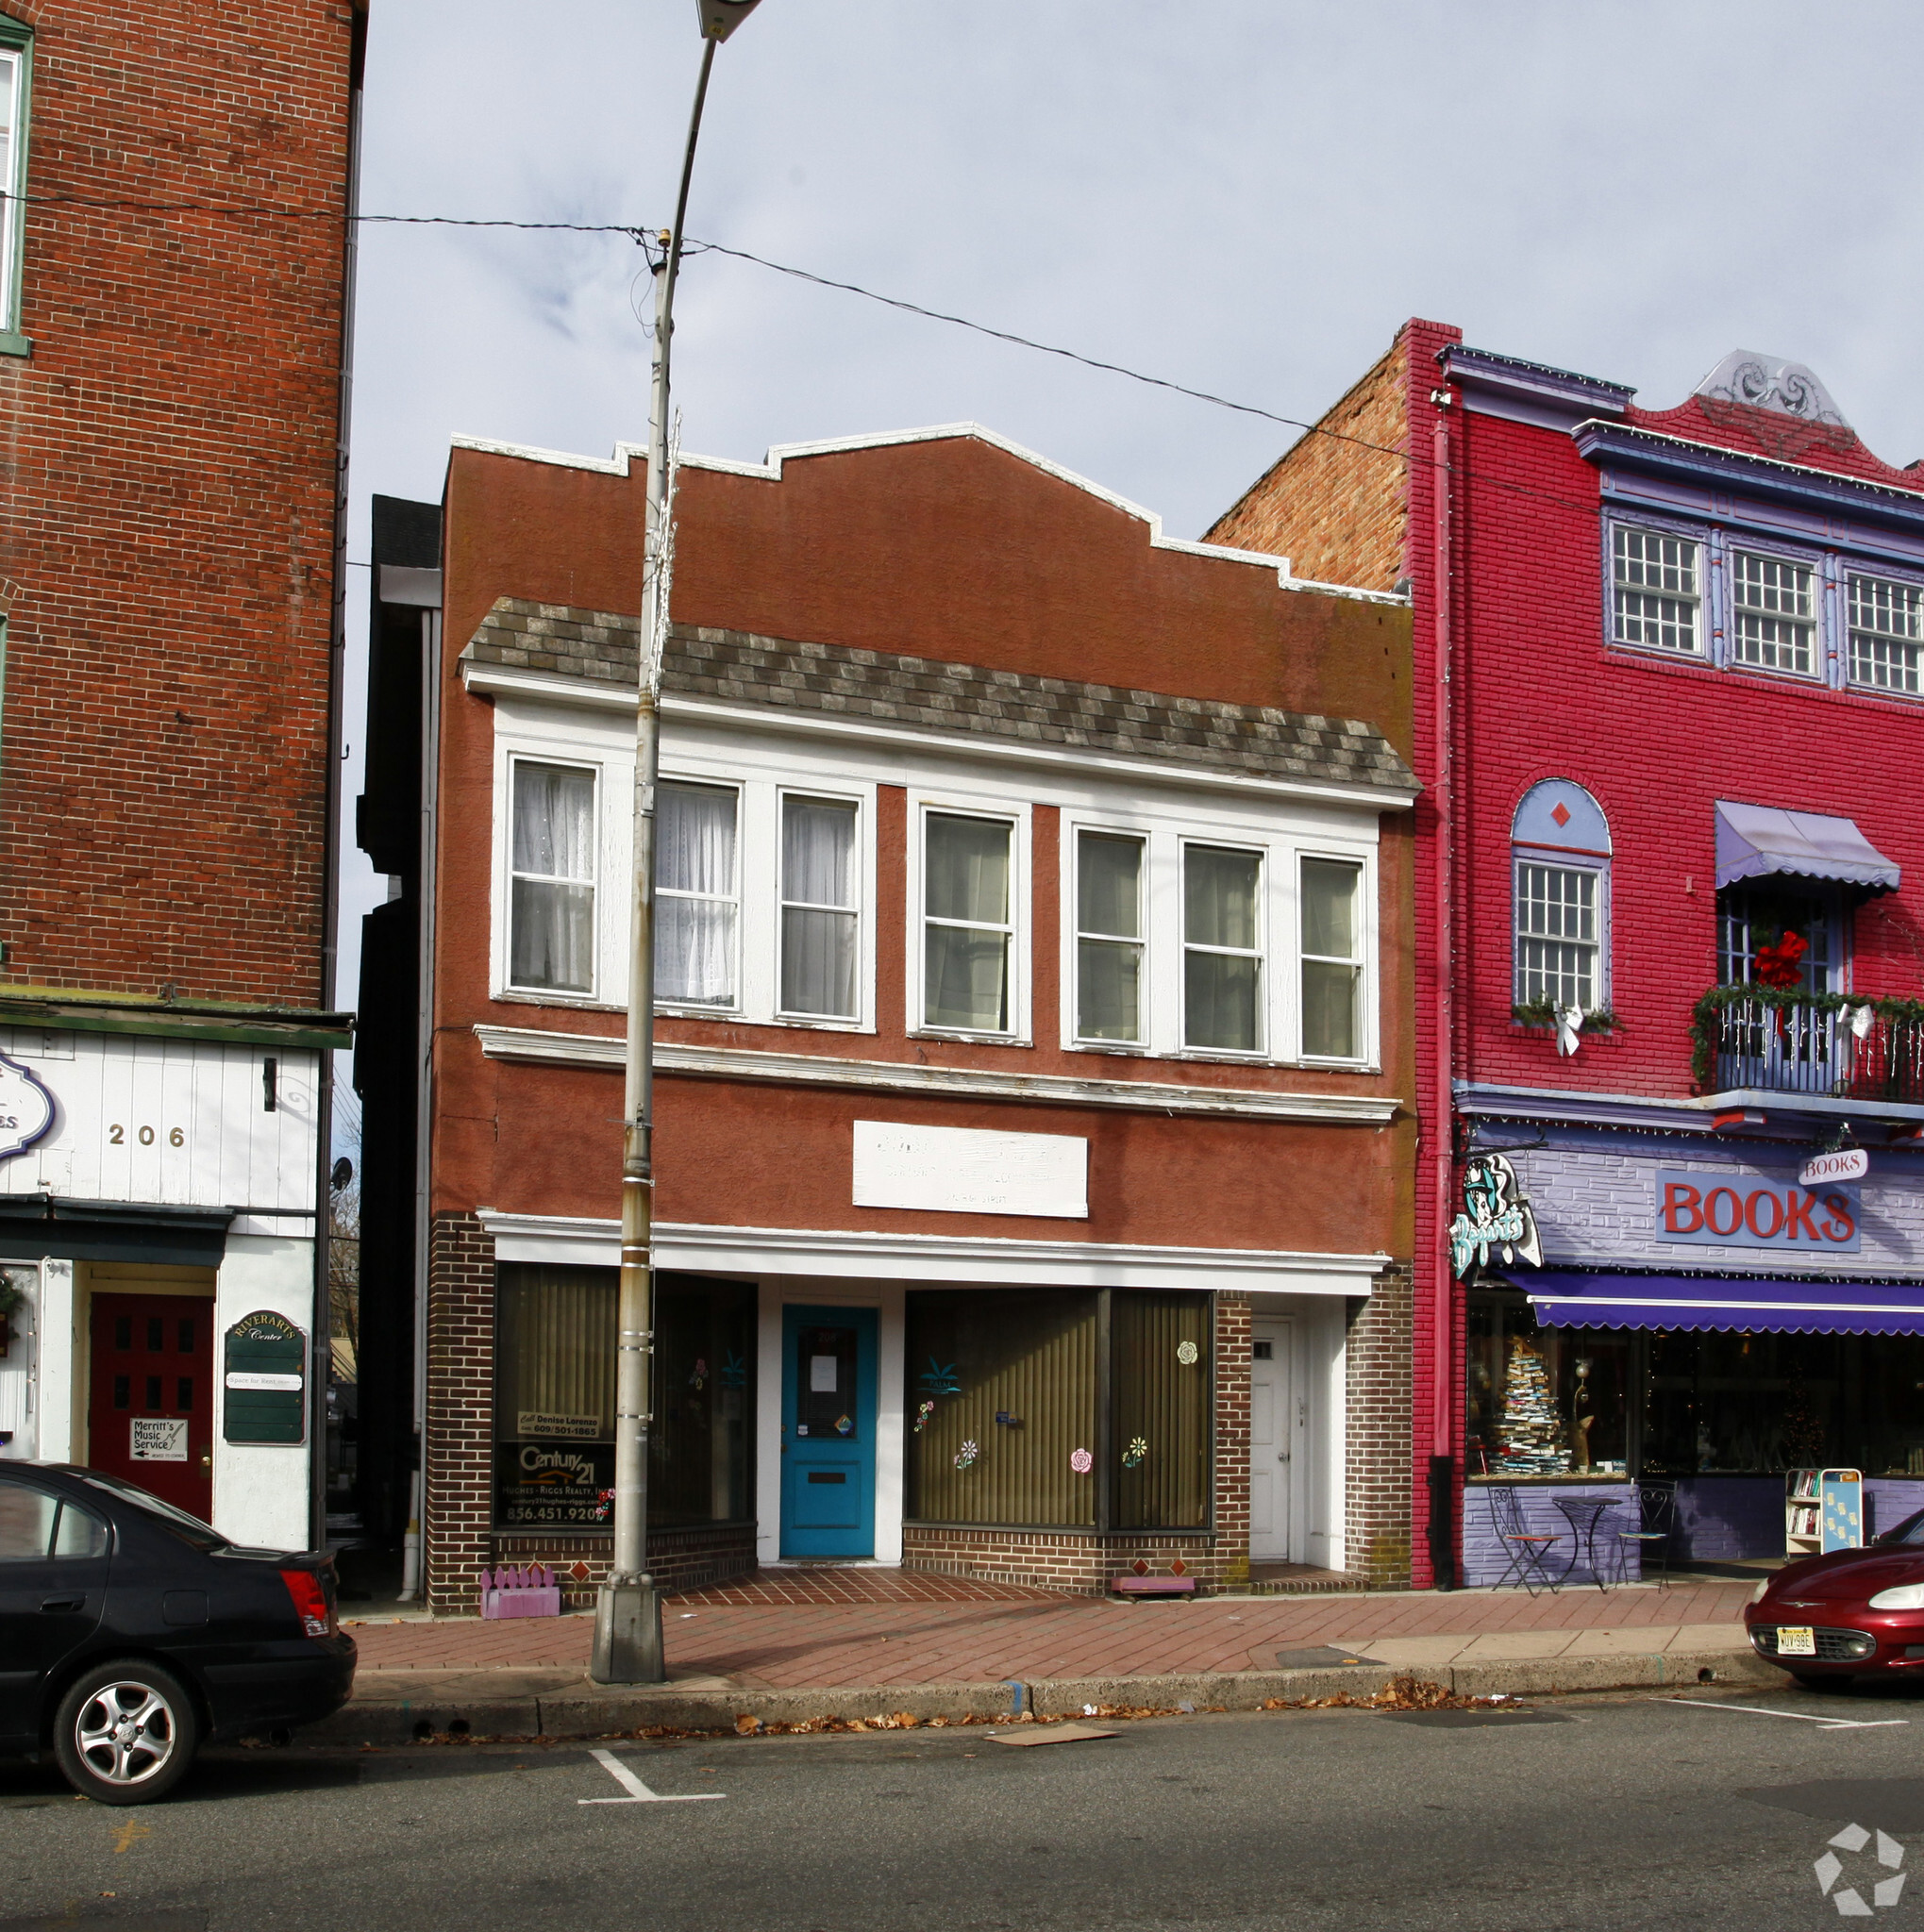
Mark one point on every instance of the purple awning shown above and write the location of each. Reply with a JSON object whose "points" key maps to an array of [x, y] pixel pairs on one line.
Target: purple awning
{"points": [[1755, 841], [1575, 1299]]}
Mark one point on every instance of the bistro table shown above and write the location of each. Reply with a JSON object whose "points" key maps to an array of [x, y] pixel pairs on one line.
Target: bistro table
{"points": [[1583, 1513]]}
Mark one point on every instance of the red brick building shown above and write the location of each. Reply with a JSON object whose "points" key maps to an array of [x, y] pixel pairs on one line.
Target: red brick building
{"points": [[1672, 667], [1032, 1066], [171, 429]]}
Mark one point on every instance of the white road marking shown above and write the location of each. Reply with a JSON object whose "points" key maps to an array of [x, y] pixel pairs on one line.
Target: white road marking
{"points": [[1802, 1717], [638, 1794]]}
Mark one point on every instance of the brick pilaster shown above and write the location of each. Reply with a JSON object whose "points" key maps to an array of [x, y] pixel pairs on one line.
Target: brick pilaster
{"points": [[458, 1501], [1378, 1390]]}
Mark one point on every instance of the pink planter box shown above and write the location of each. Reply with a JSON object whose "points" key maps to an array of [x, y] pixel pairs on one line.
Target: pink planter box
{"points": [[530, 1592]]}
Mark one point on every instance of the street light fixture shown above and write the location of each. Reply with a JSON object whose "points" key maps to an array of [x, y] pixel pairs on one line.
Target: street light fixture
{"points": [[627, 1610]]}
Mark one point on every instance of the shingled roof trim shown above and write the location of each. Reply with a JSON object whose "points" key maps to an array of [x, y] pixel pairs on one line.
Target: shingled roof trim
{"points": [[734, 667]]}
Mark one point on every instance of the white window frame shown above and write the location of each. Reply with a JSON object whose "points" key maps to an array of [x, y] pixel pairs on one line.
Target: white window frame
{"points": [[1738, 545], [1850, 574], [1698, 600], [1597, 866], [1262, 952], [864, 814], [1363, 963], [731, 1009], [1018, 818], [1073, 830], [504, 898], [16, 54]]}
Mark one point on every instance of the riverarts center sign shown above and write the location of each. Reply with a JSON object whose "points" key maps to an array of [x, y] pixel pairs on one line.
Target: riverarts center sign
{"points": [[1750, 1211]]}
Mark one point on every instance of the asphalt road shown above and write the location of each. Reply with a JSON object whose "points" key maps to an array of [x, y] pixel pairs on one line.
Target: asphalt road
{"points": [[1604, 1812]]}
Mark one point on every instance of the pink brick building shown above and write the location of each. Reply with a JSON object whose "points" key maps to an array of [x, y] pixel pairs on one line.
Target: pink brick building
{"points": [[1669, 668]]}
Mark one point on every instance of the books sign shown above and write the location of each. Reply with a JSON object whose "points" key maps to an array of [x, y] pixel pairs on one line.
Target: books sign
{"points": [[1735, 1210], [1847, 1164]]}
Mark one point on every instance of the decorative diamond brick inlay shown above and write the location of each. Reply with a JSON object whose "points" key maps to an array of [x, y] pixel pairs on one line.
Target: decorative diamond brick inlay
{"points": [[1562, 814]]}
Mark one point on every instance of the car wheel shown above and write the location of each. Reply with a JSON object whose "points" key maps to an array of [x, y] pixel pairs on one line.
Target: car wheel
{"points": [[1821, 1680], [125, 1733]]}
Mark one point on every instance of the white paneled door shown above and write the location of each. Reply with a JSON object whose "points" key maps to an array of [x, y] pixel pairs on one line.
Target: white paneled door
{"points": [[1276, 1436]]}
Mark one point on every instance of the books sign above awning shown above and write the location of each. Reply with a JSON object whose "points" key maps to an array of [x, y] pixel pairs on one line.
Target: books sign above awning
{"points": [[1595, 1299], [1757, 841]]}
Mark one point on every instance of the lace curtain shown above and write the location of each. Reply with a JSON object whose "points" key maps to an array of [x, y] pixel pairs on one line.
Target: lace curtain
{"points": [[694, 894], [552, 914], [965, 892], [818, 920], [1221, 962]]}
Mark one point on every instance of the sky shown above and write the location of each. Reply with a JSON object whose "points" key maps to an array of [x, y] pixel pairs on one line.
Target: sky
{"points": [[1247, 196]]}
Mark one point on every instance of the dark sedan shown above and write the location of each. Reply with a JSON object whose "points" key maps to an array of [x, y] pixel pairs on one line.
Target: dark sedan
{"points": [[131, 1633], [1851, 1613]]}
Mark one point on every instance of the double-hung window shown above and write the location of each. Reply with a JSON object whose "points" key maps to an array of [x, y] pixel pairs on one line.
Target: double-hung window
{"points": [[967, 927], [15, 43], [697, 894], [1773, 612], [1656, 589], [820, 949], [1332, 959], [551, 885], [1109, 937], [1886, 634], [1558, 928], [1222, 949]]}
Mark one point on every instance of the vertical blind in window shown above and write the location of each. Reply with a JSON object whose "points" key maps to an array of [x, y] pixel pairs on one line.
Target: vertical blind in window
{"points": [[1222, 956], [1775, 621], [1109, 937], [694, 894], [1160, 1437], [967, 928], [1654, 590], [1886, 634], [1556, 935], [1332, 958], [551, 912], [818, 917], [1029, 1354]]}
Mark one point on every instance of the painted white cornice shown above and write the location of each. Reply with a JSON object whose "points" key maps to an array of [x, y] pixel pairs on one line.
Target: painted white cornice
{"points": [[628, 453], [961, 1083], [509, 680], [849, 1253]]}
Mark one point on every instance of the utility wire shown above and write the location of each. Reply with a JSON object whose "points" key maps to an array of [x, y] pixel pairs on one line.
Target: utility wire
{"points": [[646, 238]]}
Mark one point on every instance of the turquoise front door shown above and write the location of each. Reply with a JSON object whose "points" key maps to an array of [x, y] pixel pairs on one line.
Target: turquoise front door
{"points": [[827, 1432]]}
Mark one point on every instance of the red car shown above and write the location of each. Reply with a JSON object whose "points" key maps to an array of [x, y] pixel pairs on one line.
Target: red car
{"points": [[1851, 1613]]}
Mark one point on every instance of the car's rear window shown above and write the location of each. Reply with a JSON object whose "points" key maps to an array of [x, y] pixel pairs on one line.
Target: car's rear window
{"points": [[188, 1528], [1909, 1531]]}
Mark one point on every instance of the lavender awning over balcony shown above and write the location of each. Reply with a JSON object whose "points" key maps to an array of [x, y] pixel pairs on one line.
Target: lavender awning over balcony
{"points": [[1755, 841], [1595, 1299]]}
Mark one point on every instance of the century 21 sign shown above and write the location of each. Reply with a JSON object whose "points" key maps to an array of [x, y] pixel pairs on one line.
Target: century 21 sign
{"points": [[1745, 1211]]}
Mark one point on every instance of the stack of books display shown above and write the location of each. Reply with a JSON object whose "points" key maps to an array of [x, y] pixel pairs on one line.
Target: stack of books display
{"points": [[1530, 1434]]}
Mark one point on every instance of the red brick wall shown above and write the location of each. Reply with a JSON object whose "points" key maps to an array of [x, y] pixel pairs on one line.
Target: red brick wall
{"points": [[458, 1505], [1376, 1523], [168, 472], [678, 1559]]}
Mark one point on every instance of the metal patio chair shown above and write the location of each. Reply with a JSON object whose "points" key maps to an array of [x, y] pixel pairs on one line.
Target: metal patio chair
{"points": [[1527, 1549], [1656, 1517]]}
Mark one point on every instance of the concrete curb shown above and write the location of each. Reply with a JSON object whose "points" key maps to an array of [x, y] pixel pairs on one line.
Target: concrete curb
{"points": [[470, 1705]]}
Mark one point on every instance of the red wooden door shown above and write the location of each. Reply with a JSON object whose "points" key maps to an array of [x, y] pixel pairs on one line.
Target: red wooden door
{"points": [[151, 1413]]}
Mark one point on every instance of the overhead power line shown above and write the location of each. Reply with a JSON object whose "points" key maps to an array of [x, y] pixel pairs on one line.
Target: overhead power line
{"points": [[645, 238]]}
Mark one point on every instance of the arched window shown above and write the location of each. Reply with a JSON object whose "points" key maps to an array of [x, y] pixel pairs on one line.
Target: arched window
{"points": [[1560, 884]]}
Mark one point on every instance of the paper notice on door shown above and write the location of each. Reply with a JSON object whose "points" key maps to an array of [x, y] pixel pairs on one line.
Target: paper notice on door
{"points": [[157, 1439], [821, 1374], [245, 1378]]}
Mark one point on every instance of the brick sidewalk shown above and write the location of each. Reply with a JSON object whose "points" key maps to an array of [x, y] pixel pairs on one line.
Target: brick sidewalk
{"points": [[793, 1631]]}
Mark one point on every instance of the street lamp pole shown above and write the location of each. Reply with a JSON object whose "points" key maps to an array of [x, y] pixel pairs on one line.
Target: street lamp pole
{"points": [[627, 1610]]}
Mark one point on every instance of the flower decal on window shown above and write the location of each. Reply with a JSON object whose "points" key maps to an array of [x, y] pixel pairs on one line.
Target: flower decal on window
{"points": [[1136, 1451], [965, 1455], [1082, 1461], [1185, 1354], [922, 1415]]}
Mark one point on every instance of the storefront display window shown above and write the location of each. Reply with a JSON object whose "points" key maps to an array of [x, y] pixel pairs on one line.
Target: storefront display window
{"points": [[554, 1399], [1545, 1401], [1039, 1409]]}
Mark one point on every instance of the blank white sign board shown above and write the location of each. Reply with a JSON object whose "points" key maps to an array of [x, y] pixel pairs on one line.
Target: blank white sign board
{"points": [[965, 1170]]}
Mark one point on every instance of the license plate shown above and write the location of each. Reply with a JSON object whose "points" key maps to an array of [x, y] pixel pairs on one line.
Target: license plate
{"points": [[1797, 1641]]}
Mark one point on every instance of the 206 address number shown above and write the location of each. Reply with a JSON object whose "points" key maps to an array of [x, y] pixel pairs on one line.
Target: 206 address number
{"points": [[117, 1136]]}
